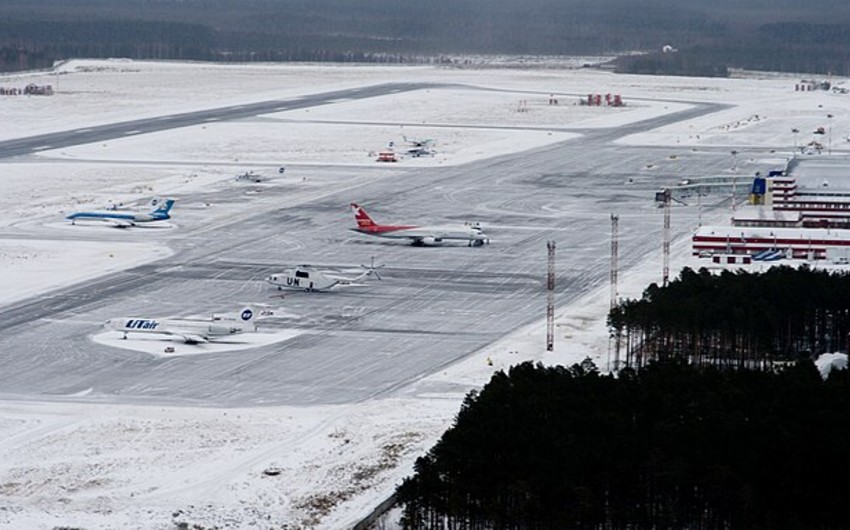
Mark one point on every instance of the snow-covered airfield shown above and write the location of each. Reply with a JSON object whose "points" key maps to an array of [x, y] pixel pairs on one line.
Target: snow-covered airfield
{"points": [[137, 456]]}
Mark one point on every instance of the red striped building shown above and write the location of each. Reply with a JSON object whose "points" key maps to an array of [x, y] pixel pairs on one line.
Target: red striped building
{"points": [[805, 223]]}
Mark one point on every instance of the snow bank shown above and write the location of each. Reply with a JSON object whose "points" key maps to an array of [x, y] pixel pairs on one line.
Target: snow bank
{"points": [[828, 362]]}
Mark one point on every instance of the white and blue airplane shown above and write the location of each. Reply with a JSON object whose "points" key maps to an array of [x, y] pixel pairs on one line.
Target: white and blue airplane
{"points": [[190, 331], [124, 219]]}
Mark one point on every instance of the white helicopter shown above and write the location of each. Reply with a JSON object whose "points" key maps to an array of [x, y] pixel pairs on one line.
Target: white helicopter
{"points": [[310, 278]]}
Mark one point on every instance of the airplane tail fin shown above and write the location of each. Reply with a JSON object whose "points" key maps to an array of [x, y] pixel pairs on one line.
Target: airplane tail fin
{"points": [[247, 317], [247, 314], [162, 208], [362, 218], [243, 317]]}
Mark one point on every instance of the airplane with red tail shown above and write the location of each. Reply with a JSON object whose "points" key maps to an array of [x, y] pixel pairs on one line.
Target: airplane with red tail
{"points": [[427, 236]]}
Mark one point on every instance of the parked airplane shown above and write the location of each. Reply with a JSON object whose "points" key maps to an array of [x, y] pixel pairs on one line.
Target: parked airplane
{"points": [[309, 278], [417, 142], [123, 219], [417, 147], [191, 331], [420, 235], [250, 176]]}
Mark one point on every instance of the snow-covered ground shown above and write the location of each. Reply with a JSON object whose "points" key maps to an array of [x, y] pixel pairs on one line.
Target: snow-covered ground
{"points": [[35, 266], [118, 466], [168, 346]]}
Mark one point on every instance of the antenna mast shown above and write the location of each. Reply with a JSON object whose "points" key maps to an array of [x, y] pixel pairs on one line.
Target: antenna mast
{"points": [[666, 237], [615, 244], [615, 248], [550, 298]]}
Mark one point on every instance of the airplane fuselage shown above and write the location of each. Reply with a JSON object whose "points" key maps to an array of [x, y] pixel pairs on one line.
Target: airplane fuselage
{"points": [[190, 331], [427, 235], [183, 328], [125, 219], [419, 235], [118, 216]]}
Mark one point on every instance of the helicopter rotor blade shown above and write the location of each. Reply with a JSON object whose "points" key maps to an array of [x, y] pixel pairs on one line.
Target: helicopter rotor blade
{"points": [[373, 269]]}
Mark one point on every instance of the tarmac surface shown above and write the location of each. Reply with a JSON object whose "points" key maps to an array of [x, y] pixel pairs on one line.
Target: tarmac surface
{"points": [[433, 306]]}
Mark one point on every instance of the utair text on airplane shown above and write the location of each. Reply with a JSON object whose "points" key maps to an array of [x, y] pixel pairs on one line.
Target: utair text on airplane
{"points": [[190, 331], [123, 219], [427, 236], [309, 278]]}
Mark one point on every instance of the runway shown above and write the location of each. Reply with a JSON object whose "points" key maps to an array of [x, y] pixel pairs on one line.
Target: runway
{"points": [[85, 135], [433, 306]]}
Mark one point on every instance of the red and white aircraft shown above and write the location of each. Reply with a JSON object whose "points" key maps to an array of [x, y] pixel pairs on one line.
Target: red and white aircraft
{"points": [[419, 235]]}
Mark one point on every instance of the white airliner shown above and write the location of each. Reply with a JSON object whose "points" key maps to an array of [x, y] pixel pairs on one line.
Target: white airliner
{"points": [[420, 235], [123, 219], [189, 330], [309, 278]]}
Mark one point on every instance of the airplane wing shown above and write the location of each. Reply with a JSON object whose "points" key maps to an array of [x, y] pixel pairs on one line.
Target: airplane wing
{"points": [[426, 240], [120, 223], [192, 338], [188, 337]]}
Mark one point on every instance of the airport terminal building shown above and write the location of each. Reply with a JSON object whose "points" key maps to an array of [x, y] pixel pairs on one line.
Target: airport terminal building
{"points": [[802, 212]]}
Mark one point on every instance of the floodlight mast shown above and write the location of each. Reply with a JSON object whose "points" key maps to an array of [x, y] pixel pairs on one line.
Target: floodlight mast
{"points": [[615, 246], [734, 178]]}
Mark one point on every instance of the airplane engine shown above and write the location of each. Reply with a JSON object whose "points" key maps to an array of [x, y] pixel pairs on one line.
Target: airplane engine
{"points": [[223, 330], [431, 241]]}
